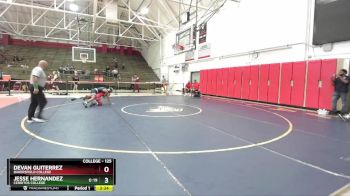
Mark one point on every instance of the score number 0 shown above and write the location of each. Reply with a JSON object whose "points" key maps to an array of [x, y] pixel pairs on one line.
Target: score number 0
{"points": [[106, 170]]}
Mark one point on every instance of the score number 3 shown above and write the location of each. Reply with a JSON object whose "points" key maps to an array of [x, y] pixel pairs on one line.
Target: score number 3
{"points": [[106, 170]]}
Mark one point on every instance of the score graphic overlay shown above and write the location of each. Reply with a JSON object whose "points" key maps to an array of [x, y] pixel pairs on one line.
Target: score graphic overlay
{"points": [[88, 174]]}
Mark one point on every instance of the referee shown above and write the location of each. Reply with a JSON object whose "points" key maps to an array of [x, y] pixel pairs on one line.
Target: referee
{"points": [[37, 96]]}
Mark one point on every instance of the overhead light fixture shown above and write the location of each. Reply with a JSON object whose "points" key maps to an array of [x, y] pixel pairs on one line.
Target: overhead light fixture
{"points": [[144, 11], [73, 7]]}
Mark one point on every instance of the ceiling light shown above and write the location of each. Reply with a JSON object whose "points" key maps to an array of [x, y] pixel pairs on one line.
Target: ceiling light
{"points": [[73, 7], [144, 11]]}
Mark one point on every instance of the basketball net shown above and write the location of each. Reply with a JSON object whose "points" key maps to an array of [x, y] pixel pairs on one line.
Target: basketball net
{"points": [[178, 48], [83, 59]]}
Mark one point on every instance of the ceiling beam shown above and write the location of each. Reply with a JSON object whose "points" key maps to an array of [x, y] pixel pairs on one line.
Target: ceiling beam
{"points": [[104, 7], [168, 10], [7, 8], [81, 14], [137, 38], [65, 40], [142, 42], [94, 13], [32, 21], [194, 4], [136, 15], [48, 34]]}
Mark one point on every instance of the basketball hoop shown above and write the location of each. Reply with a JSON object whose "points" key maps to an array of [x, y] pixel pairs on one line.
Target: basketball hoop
{"points": [[178, 48], [84, 57]]}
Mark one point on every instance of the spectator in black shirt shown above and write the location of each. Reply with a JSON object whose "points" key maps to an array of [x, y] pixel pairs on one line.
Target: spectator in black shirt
{"points": [[108, 71], [341, 86], [75, 79], [115, 64]]}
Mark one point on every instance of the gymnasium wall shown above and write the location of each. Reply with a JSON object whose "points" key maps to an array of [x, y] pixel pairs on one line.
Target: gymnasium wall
{"points": [[129, 51], [275, 30], [152, 56]]}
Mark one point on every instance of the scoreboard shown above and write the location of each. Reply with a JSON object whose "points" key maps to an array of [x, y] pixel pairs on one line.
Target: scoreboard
{"points": [[87, 174]]}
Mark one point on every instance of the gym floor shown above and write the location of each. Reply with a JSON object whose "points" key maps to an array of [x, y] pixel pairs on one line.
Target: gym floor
{"points": [[176, 145]]}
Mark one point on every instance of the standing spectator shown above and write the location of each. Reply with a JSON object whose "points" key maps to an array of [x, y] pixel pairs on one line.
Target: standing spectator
{"points": [[0, 73], [60, 69], [341, 86], [107, 70], [115, 64], [56, 77], [133, 78], [115, 73], [37, 96], [75, 81], [24, 87], [49, 85], [165, 84], [135, 83]]}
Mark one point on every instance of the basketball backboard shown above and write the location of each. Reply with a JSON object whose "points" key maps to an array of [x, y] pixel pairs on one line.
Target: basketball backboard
{"points": [[84, 55], [185, 41]]}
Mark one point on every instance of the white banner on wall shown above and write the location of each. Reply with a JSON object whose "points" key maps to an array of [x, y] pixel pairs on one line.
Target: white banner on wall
{"points": [[189, 56], [204, 51], [202, 33]]}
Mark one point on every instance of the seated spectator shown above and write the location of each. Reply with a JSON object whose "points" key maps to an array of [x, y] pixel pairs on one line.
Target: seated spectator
{"points": [[195, 86], [87, 73], [60, 69], [16, 58], [25, 66], [195, 89], [65, 70], [24, 87], [16, 86], [188, 88]]}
